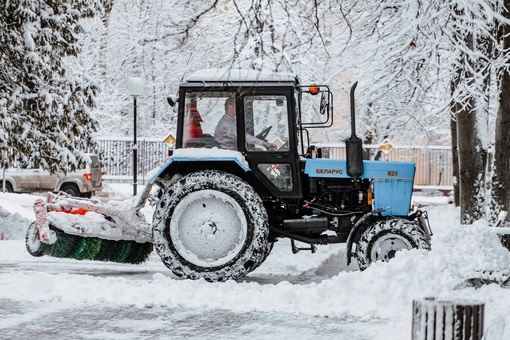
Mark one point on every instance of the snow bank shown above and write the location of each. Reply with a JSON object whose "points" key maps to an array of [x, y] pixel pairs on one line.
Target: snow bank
{"points": [[16, 214], [383, 293]]}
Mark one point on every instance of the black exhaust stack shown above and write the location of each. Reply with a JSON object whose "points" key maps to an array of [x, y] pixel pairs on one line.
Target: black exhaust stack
{"points": [[354, 145]]}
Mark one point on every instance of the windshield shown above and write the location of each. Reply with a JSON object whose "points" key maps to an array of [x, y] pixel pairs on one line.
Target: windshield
{"points": [[211, 120]]}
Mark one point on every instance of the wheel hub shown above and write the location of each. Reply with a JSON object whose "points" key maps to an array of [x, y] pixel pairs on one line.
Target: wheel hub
{"points": [[387, 246], [208, 228]]}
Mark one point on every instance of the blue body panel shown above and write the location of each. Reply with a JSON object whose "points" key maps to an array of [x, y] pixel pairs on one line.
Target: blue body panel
{"points": [[337, 168], [392, 181]]}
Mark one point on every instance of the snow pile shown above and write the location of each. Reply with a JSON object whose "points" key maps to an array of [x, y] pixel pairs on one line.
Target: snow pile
{"points": [[288, 283], [10, 225], [16, 214], [208, 154]]}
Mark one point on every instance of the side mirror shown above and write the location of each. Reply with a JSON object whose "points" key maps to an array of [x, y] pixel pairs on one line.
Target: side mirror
{"points": [[172, 100], [324, 106]]}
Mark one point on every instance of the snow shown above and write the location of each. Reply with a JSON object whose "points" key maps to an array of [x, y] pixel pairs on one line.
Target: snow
{"points": [[299, 290], [238, 75], [197, 224], [210, 154], [127, 225], [201, 154]]}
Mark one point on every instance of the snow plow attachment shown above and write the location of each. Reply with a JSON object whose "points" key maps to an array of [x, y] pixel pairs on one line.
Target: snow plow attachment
{"points": [[85, 229]]}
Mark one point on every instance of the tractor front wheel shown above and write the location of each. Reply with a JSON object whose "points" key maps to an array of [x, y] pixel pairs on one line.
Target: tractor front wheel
{"points": [[211, 225], [381, 240]]}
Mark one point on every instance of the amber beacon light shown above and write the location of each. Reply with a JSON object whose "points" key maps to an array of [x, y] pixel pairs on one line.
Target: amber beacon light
{"points": [[313, 89]]}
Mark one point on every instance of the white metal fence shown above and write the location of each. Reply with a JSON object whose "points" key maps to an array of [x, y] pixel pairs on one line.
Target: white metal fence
{"points": [[116, 156], [433, 163]]}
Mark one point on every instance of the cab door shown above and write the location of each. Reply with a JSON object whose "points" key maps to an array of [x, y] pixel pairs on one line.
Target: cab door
{"points": [[267, 116]]}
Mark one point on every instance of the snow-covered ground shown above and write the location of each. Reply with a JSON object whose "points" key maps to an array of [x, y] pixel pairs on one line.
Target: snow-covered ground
{"points": [[298, 296]]}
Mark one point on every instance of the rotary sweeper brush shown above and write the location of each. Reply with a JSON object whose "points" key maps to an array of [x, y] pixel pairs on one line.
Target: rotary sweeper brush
{"points": [[243, 175], [86, 229]]}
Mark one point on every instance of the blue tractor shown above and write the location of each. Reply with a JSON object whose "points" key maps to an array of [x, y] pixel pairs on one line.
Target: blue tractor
{"points": [[229, 193]]}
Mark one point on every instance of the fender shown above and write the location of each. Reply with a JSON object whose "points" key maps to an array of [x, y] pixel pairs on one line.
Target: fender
{"points": [[164, 175], [356, 228], [201, 155], [421, 216]]}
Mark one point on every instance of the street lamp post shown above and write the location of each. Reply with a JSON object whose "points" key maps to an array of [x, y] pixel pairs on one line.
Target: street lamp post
{"points": [[135, 88]]}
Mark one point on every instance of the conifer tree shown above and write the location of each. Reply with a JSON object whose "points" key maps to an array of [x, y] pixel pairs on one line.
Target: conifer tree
{"points": [[44, 105]]}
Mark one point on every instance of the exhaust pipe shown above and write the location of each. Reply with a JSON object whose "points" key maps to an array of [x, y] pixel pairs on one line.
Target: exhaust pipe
{"points": [[354, 145]]}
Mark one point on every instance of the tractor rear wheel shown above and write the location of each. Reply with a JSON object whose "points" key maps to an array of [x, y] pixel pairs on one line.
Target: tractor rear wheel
{"points": [[211, 225], [381, 240]]}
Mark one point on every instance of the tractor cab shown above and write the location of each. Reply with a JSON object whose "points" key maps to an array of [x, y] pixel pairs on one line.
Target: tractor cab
{"points": [[255, 113]]}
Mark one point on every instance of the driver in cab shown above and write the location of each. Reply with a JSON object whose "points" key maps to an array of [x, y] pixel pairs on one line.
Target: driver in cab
{"points": [[226, 131]]}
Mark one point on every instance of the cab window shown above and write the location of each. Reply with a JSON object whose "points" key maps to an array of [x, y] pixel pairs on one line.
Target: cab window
{"points": [[203, 111], [266, 119]]}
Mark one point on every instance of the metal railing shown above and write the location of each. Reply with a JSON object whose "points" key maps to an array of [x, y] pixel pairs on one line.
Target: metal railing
{"points": [[433, 163], [116, 156]]}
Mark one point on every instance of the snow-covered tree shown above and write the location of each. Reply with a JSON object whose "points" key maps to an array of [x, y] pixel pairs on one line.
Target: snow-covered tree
{"points": [[398, 48], [44, 99], [501, 178], [470, 100], [429, 61], [164, 41]]}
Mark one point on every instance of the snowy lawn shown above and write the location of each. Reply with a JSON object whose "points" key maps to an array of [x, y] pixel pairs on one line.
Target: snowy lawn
{"points": [[303, 284]]}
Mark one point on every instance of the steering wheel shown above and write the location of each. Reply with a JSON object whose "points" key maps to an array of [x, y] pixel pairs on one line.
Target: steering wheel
{"points": [[263, 134]]}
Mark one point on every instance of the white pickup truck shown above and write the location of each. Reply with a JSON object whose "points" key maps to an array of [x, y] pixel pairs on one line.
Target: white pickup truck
{"points": [[81, 183]]}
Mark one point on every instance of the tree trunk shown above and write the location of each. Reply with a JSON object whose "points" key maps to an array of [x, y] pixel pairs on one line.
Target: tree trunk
{"points": [[472, 149], [103, 38], [501, 179], [455, 151], [436, 319], [472, 160]]}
